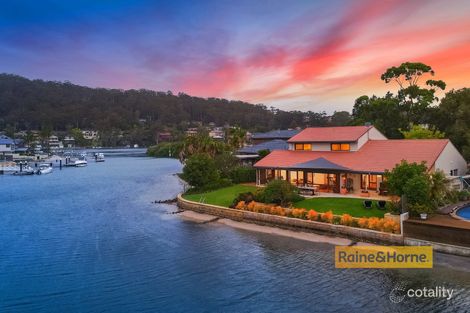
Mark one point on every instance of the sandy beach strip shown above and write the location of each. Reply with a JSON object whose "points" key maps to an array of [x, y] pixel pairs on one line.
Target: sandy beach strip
{"points": [[197, 217], [312, 237]]}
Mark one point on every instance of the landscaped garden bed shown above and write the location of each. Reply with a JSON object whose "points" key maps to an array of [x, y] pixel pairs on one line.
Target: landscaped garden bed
{"points": [[373, 223]]}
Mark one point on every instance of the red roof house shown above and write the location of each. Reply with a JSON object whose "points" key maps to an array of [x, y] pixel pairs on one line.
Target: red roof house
{"points": [[352, 158]]}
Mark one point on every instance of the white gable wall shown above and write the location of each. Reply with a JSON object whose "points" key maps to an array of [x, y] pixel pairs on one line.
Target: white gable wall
{"points": [[371, 134], [450, 159]]}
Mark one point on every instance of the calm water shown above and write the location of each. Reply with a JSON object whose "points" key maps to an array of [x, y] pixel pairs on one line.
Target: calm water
{"points": [[90, 240]]}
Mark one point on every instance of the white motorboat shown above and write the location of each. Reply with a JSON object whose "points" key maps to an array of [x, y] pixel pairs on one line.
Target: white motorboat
{"points": [[80, 163], [99, 157], [24, 170], [44, 169]]}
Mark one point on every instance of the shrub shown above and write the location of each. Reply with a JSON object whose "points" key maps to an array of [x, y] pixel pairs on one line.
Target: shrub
{"points": [[391, 226], [277, 210], [240, 205], [299, 213], [346, 220], [217, 184], [452, 196], [374, 223], [417, 190], [363, 222], [393, 207], [327, 217], [258, 195], [262, 208], [200, 171], [417, 209], [464, 195], [251, 206], [312, 215], [401, 174], [244, 196], [243, 174], [280, 192], [354, 223], [288, 212]]}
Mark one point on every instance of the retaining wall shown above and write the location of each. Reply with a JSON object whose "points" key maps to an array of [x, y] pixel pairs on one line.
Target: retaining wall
{"points": [[291, 223]]}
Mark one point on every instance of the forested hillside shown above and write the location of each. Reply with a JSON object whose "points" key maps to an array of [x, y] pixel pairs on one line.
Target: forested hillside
{"points": [[33, 104]]}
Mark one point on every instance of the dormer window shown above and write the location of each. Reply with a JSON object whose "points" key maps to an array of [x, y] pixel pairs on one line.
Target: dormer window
{"points": [[340, 147], [303, 146]]}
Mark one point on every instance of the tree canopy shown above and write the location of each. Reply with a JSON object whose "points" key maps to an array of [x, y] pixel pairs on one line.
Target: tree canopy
{"points": [[421, 132]]}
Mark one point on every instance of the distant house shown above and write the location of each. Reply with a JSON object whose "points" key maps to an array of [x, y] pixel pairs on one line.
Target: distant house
{"points": [[20, 146], [54, 143], [217, 133], [191, 131], [69, 141], [283, 134], [249, 154], [352, 159], [90, 134], [7, 145], [164, 136]]}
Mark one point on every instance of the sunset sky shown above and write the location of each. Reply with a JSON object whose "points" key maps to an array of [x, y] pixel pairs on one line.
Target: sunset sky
{"points": [[305, 55]]}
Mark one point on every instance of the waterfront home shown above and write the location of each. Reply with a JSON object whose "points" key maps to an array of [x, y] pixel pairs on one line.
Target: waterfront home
{"points": [[54, 144], [352, 159], [282, 134], [7, 147], [69, 141]]}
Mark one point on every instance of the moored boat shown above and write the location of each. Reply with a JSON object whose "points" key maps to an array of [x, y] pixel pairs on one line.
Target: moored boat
{"points": [[99, 157], [44, 169], [24, 170], [80, 163]]}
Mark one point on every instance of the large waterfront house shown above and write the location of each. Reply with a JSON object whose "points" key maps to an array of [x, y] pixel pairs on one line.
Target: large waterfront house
{"points": [[352, 159]]}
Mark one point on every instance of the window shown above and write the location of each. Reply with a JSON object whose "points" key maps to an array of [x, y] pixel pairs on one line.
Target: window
{"points": [[296, 177], [340, 147], [281, 174], [309, 178], [454, 172], [303, 146], [371, 181]]}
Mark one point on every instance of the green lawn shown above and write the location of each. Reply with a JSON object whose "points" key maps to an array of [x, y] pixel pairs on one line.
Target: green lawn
{"points": [[339, 206], [222, 197], [355, 207]]}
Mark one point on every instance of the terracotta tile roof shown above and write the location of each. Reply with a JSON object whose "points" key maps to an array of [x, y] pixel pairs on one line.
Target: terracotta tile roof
{"points": [[375, 156], [330, 134]]}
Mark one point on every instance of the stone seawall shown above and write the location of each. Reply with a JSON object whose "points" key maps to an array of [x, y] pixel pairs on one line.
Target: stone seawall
{"points": [[291, 223]]}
